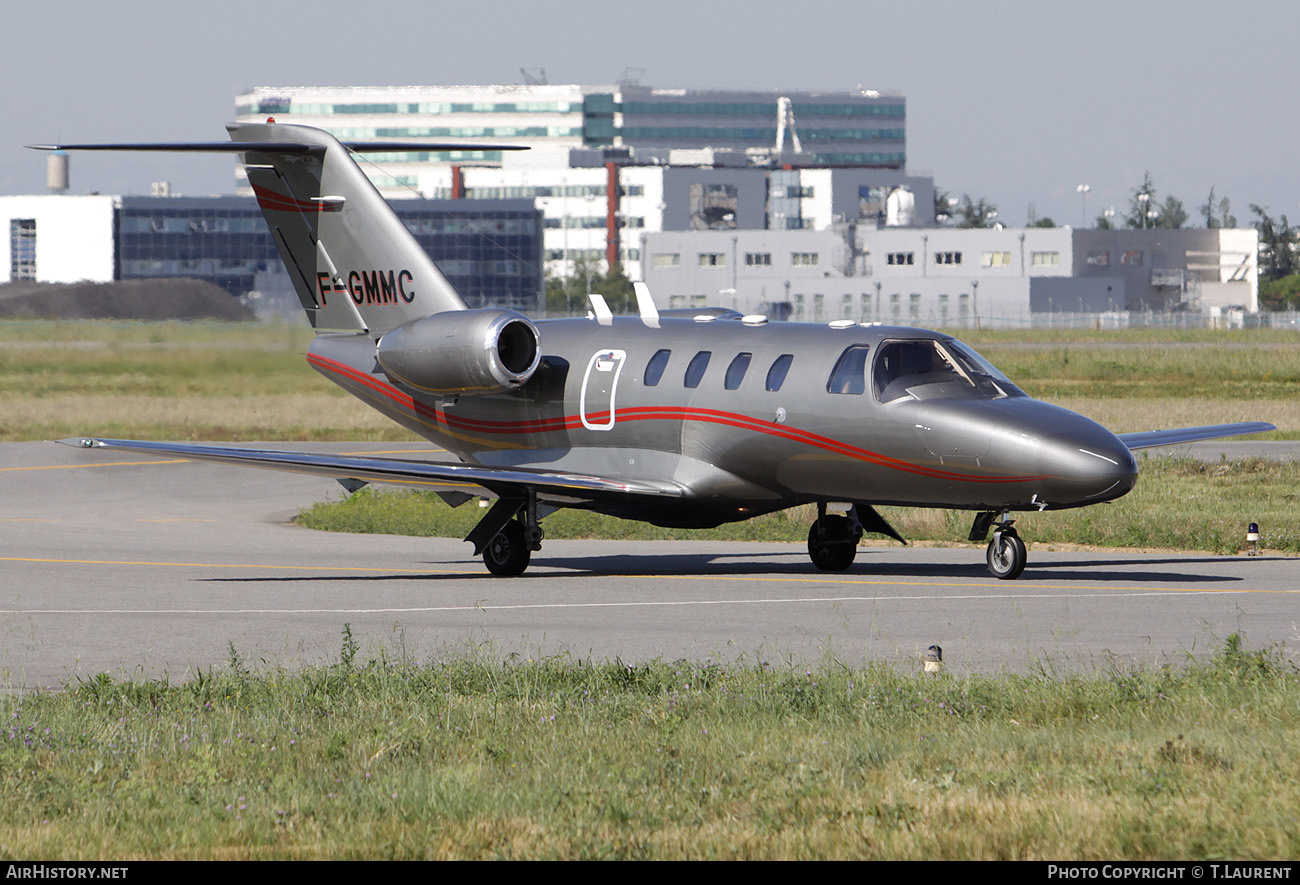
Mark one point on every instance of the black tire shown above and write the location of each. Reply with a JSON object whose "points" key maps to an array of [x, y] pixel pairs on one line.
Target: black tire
{"points": [[831, 546], [508, 553], [1006, 555]]}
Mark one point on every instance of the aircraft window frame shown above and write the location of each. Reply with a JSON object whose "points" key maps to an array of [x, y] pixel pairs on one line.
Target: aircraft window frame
{"points": [[655, 367], [696, 368], [849, 375], [778, 371], [736, 371], [949, 361]]}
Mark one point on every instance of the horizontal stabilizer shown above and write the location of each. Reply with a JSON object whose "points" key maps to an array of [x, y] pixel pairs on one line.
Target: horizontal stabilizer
{"points": [[432, 475], [1152, 438]]}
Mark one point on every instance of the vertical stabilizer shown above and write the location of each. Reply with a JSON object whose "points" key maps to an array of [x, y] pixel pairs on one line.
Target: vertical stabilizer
{"points": [[353, 263]]}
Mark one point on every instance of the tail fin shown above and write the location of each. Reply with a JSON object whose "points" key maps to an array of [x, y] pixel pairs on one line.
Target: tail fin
{"points": [[354, 264]]}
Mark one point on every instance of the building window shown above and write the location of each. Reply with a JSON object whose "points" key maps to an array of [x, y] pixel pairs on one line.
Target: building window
{"points": [[1098, 258], [795, 192], [713, 206], [758, 259], [900, 258], [1131, 258], [22, 248], [995, 259], [1046, 259], [947, 258], [661, 260], [713, 259], [804, 259]]}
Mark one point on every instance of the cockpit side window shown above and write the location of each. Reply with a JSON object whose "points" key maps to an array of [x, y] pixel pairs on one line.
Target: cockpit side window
{"points": [[904, 364], [850, 372], [927, 369]]}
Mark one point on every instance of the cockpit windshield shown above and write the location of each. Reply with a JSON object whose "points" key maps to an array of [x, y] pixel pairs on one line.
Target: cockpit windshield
{"points": [[926, 368]]}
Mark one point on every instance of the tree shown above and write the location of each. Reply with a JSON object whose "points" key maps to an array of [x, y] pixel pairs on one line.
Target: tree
{"points": [[1172, 214], [976, 213], [1207, 211], [944, 203], [568, 296], [1142, 204], [1226, 218], [1103, 222], [1045, 221], [1277, 242]]}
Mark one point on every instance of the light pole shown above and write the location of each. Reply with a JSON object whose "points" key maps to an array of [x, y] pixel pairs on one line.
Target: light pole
{"points": [[1110, 216], [1083, 190], [1143, 200]]}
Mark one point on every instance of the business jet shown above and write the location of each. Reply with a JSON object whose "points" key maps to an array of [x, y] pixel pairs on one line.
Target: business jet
{"points": [[689, 418]]}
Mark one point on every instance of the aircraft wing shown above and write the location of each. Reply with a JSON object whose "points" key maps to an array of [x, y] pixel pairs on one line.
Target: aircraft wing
{"points": [[439, 476], [1149, 439]]}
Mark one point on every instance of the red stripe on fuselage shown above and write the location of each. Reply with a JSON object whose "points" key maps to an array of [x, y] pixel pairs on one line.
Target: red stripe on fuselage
{"points": [[651, 413]]}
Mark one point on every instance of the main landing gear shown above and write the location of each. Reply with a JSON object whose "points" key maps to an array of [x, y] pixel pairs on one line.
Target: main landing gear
{"points": [[508, 535], [1006, 553], [833, 540]]}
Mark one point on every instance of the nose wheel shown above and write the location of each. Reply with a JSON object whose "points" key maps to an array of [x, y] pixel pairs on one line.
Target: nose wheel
{"points": [[1006, 554]]}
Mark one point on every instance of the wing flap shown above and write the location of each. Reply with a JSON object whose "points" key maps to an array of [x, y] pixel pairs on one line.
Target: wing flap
{"points": [[1152, 438], [433, 475]]}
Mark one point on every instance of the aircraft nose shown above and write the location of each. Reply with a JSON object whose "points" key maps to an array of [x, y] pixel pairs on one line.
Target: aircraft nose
{"points": [[1086, 464]]}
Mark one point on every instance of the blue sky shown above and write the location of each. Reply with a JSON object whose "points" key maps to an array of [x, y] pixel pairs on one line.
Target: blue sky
{"points": [[1014, 101]]}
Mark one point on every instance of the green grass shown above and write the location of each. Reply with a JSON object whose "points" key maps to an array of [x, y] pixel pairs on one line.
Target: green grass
{"points": [[377, 756], [1179, 503], [242, 381]]}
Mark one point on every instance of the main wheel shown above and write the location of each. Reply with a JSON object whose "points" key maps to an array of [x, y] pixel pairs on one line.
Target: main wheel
{"points": [[831, 545], [508, 553], [1007, 555]]}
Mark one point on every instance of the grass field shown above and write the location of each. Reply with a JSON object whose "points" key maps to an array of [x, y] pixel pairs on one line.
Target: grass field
{"points": [[379, 757], [214, 381], [1179, 503], [473, 756]]}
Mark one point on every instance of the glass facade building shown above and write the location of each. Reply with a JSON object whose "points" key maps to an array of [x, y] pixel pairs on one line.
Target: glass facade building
{"points": [[490, 251], [836, 128]]}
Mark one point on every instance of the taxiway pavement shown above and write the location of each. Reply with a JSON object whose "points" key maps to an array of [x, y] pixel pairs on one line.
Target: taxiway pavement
{"points": [[147, 567]]}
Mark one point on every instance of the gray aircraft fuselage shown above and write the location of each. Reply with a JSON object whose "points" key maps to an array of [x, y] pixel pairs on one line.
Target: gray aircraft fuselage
{"points": [[738, 448]]}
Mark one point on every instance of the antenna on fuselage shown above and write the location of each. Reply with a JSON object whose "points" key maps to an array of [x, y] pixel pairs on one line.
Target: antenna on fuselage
{"points": [[600, 310], [646, 305]]}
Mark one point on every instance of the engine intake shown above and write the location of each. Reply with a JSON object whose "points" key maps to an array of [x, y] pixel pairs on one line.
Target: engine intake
{"points": [[462, 352]]}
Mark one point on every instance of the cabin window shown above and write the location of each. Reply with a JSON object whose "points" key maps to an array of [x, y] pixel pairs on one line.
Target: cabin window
{"points": [[654, 370], [695, 370], [736, 371], [780, 368], [850, 372]]}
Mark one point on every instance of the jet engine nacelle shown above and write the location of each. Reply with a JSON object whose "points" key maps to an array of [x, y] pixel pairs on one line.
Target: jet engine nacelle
{"points": [[462, 352]]}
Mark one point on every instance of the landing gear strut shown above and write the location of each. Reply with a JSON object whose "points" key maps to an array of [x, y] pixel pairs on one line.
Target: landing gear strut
{"points": [[833, 541], [1006, 554], [508, 535]]}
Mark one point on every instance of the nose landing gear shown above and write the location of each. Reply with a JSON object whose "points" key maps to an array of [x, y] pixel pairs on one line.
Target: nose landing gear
{"points": [[1006, 555]]}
